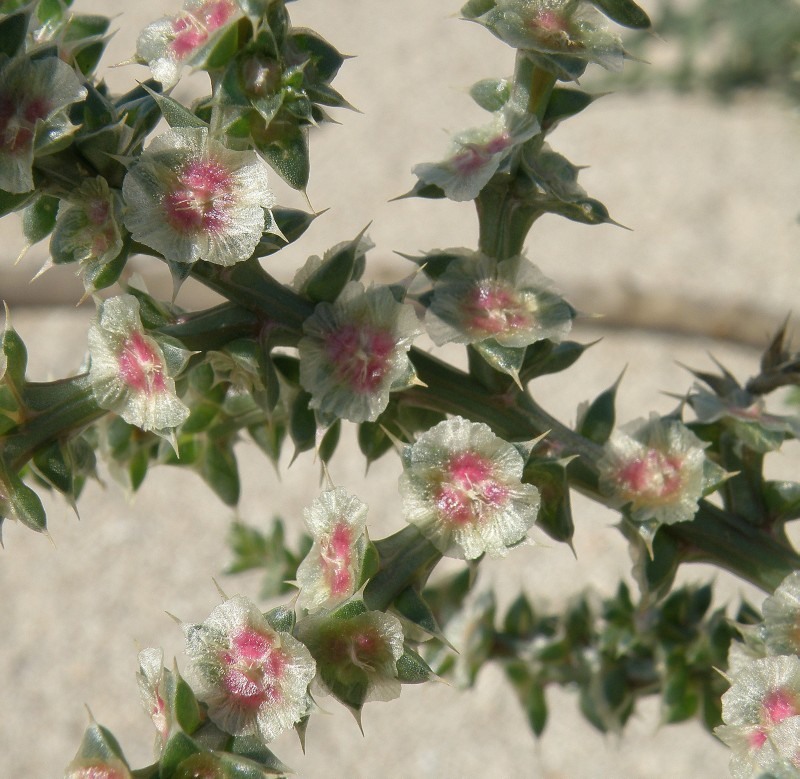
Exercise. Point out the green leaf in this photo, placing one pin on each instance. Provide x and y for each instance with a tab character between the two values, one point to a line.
178	748
22	502
281	618
680	698
39	218
412	669
252	747
53	462
220	471
598	421
545	357
291	222
284	145
185	706
555	511
16	356
98	743
491	94
12	33
10	202
303	423
336	270
411	605
624	12
536	707
175	114
373	441
782	499
520	619
329	442
563	104
324	58
475	8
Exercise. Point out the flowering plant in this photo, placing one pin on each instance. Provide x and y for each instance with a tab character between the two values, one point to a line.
484	471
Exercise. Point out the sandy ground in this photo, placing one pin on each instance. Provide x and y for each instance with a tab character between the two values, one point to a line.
712	196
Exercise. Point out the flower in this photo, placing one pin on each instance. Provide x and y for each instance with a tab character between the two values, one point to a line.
329	573
560	27
760	708
191	199
170	43
34	96
461	486
476	154
356	654
781	628
478	298
253	678
88	225
354	353
131	372
658	468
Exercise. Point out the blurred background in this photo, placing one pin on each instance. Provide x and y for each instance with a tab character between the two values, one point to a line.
697	152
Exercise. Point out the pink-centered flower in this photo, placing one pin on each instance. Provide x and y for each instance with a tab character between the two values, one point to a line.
478	298
658	468
560	27
476	155
34	98
190	199
355	352
356	655
131	372
253	678
329	573
462	487
172	42
764	696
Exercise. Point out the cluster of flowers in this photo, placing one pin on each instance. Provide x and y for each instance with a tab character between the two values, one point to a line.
761	710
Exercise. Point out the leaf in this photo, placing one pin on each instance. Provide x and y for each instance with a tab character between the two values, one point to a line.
184	705
39	218
545	357
291	222
598	421
475	8
520	618
330	441
253	748
175	114
555	511
178	748
335	271
98	743
281	618
284	145
491	94
563	104
302	424
12	33
624	12
220	471
412	669
10	202
411	605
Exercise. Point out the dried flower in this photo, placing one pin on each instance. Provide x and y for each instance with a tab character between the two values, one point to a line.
462	487
190	199
478	298
329	573
354	353
658	468
560	27
34	96
170	43
131	372
356	654
476	155
253	678
764	696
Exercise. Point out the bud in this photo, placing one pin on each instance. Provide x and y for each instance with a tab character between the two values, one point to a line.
131	371
190	199
329	573
354	353
462	487
253	678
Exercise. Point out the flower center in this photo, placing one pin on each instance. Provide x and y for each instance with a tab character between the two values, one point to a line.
493	308
779	705
201	199
192	30
254	669
140	365
360	356
653	478
469	490
17	127
336	556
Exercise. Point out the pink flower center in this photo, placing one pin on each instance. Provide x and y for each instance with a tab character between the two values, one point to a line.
493	308
191	31
550	21
472	157
757	739
201	199
18	121
140	365
469	490
360	356
336	559
254	669
779	705
654	478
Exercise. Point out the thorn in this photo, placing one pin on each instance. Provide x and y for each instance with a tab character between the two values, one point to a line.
22	254
221	592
